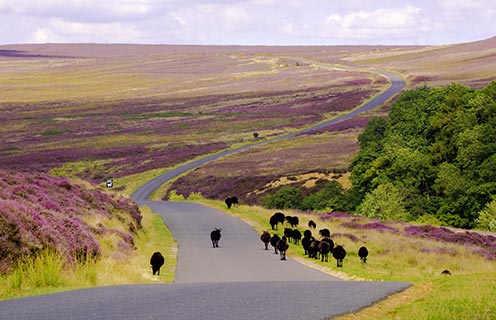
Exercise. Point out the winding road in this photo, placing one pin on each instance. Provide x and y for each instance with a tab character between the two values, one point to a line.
239	280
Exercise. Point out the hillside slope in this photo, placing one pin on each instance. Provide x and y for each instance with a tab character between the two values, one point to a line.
40	212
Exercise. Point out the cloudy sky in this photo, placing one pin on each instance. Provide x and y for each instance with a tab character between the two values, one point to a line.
248	22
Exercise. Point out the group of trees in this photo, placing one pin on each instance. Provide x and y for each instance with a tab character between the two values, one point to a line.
435	156
433	159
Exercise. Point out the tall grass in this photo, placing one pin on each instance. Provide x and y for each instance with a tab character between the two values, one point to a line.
394	256
49	272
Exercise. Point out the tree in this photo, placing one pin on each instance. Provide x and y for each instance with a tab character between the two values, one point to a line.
385	202
487	217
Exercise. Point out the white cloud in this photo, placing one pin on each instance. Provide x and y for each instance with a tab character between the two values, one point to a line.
59	30
44	35
216	16
248	21
368	24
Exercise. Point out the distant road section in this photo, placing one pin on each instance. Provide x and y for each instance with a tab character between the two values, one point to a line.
145	191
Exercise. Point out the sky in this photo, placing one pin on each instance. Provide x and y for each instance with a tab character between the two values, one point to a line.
247	22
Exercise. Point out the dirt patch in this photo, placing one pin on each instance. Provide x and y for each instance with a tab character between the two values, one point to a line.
307	180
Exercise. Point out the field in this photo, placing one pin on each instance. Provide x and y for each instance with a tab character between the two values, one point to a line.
99	111
130	112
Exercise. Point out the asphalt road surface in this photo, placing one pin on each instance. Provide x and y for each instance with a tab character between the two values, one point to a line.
239	280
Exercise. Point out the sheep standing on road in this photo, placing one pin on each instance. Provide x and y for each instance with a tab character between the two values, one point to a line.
339	253
273	242
282	246
265	237
215	237
157	261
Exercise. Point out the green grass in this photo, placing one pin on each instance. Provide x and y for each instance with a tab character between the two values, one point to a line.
49	273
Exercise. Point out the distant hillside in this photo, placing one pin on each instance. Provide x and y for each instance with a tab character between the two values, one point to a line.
40	212
472	63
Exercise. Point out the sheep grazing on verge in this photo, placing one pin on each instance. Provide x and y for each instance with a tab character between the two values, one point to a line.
314	249
325	233
265	237
228	202
296	235
273	242
363	253
324	249
275	219
215	237
330	242
307	233
339	253
234	201
231	201
293	221
157	261
287	233
305	243
312	224
282	246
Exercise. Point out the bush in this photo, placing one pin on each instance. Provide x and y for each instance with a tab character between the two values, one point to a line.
487	217
285	198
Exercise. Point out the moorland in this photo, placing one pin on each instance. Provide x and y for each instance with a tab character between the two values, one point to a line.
90	112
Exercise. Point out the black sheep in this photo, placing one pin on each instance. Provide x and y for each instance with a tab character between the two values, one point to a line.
296	235
305	243
157	261
282	246
314	249
287	233
265	237
275	219
293	221
325	233
228	202
339	253
324	249
363	253
312	224
330	242
234	201
273	242
307	233
215	237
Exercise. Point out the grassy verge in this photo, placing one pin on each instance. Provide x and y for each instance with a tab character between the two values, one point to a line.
467	294
48	272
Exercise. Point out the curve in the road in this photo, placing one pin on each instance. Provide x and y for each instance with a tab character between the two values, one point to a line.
145	191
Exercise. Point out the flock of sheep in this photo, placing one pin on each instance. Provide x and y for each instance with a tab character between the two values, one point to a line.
313	247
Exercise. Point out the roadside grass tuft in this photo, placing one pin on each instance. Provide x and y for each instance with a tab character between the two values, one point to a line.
48	271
